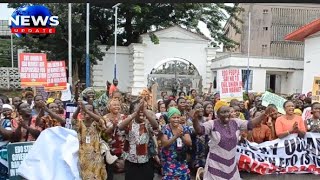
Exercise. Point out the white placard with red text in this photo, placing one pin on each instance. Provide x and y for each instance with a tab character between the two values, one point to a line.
230	84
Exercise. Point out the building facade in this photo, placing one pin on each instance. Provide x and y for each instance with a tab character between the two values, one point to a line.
181	60
310	35
280	60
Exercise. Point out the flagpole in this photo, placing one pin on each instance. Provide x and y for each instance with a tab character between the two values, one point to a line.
87	48
12	65
115	38
248	62
70	43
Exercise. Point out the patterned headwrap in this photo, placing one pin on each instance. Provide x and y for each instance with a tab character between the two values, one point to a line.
172	111
84	92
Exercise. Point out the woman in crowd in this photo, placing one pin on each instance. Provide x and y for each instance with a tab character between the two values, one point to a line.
170	103
175	139
24	125
89	129
138	129
29	98
271	122
52	118
88	96
182	94
313	124
181	105
5	136
289	123
200	146
261	132
224	134
60	111
15	101
36	110
208	111
114	136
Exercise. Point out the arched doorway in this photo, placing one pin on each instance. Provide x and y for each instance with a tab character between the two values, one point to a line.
175	75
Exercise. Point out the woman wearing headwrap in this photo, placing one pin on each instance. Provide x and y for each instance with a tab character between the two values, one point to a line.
175	139
224	134
88	95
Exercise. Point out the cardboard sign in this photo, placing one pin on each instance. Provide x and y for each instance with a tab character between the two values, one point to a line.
316	90
230	84
33	69
56	76
16	154
270	98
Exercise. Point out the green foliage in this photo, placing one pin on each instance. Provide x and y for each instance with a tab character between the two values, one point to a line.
5	53
133	20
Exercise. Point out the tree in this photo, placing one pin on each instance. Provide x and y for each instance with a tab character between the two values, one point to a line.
140	18
5	53
133	20
56	45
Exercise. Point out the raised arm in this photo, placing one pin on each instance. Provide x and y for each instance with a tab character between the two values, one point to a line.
151	118
196	124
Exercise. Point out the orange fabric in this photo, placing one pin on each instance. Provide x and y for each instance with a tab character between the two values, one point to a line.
283	125
261	134
112	89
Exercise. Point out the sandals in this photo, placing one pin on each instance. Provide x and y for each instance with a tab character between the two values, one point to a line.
200	172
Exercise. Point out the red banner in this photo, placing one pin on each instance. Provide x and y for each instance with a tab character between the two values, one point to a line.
33	69
56	76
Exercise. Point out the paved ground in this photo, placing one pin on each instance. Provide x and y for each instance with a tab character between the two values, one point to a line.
248	176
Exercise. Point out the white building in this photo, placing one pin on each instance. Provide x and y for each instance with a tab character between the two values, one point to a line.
283	75
141	61
310	34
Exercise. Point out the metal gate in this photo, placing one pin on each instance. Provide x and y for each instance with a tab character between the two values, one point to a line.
175	75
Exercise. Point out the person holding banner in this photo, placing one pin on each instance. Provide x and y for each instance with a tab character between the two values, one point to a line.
289	123
313	124
224	134
5	136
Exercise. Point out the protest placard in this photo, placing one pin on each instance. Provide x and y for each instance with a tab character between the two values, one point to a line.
270	98
288	155
16	154
230	84
33	69
316	90
56	76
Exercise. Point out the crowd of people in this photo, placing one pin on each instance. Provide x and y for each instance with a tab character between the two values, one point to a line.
181	136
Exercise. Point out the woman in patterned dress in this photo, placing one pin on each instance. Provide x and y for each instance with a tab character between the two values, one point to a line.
113	136
138	129
224	134
313	124
89	128
175	139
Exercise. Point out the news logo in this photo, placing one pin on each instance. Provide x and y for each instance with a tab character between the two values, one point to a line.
36	20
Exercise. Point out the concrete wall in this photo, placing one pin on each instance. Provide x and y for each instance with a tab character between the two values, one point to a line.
104	71
311	61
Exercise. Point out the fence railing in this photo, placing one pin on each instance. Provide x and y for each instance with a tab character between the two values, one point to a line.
9	78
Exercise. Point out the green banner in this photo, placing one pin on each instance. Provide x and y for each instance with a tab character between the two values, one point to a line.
16	154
